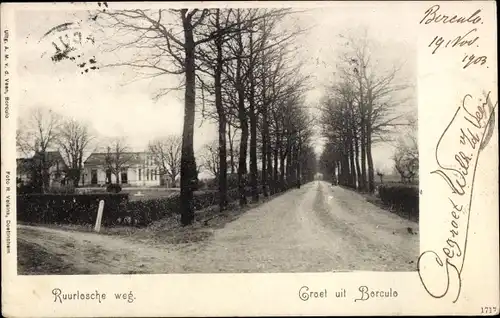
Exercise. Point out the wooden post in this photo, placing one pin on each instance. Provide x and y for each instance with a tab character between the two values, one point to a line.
97	227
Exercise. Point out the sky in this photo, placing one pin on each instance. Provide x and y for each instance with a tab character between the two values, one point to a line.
114	106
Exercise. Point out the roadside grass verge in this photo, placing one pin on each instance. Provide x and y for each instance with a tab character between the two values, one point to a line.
374	199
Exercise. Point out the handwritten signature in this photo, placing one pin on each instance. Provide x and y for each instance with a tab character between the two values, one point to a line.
461	143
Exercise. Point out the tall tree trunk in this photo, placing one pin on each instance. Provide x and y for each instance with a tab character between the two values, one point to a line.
222	162
298	169
188	163
293	166
275	169
282	168
345	167
242	116
242	162
253	155
363	154
269	162
371	173
264	156
253	129
231	149
351	159
358	168
44	171
80	168
288	163
362	111
221	120
265	140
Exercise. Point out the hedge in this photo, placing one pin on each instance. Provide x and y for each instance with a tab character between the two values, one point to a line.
144	212
402	197
82	208
71	208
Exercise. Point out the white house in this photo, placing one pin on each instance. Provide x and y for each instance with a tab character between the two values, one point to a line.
138	169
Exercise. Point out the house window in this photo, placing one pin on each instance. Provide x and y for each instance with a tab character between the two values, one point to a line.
155	175
147	174
124	176
151	174
108	176
93	176
140	172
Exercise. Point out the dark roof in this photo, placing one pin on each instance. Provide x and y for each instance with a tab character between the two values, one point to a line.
99	158
51	158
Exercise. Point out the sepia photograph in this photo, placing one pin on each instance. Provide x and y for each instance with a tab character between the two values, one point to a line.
187	159
215	140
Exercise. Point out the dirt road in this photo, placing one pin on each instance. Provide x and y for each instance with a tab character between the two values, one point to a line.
316	228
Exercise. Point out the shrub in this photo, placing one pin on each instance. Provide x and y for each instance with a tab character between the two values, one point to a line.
70	208
64	189
114	188
402	197
28	188
202	184
144	212
211	184
232	182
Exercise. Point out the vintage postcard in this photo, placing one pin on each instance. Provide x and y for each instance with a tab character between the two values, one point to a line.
249	158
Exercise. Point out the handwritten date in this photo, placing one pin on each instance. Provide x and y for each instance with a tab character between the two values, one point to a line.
467	39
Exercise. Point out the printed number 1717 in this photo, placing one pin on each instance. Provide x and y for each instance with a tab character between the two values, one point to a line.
488	310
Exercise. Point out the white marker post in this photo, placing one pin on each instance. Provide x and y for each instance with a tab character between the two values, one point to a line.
97	227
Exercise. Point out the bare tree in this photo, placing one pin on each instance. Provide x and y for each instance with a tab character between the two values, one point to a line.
406	160
117	158
167	155
210	158
36	135
38	132
371	96
166	42
222	52
74	139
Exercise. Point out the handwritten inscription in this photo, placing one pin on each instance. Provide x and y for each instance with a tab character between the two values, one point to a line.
468	39
432	15
456	155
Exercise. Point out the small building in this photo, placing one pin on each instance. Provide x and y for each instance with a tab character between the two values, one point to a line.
136	169
27	168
